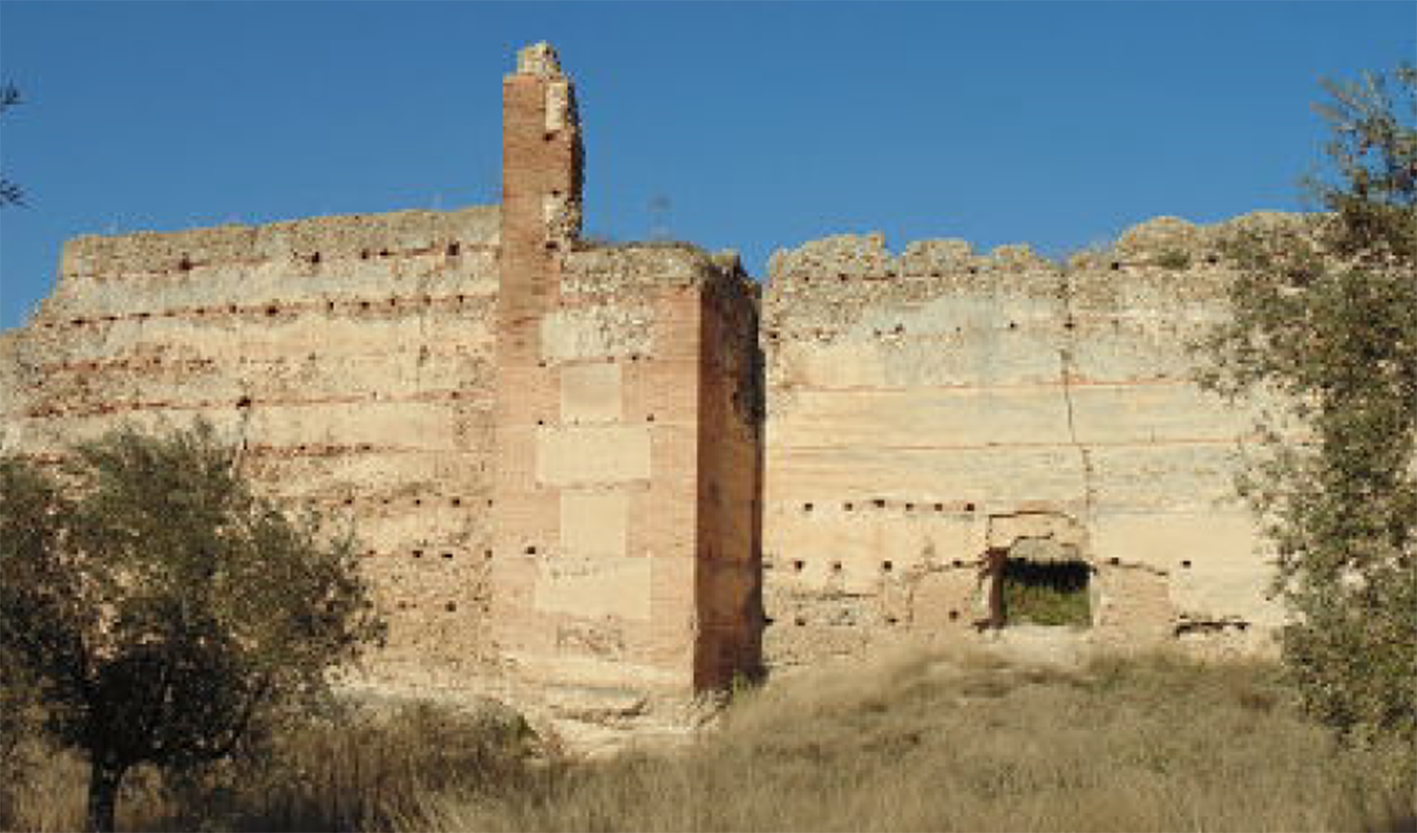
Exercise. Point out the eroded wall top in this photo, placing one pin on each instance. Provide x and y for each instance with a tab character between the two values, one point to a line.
920	402
347	236
110	274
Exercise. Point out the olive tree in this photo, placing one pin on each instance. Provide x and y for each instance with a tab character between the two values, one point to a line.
1325	322
165	613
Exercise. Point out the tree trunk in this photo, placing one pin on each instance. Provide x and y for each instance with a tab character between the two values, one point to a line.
104	779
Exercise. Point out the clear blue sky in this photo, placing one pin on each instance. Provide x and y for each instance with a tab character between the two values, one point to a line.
764	125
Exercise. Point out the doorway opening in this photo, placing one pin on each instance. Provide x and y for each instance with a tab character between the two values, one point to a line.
1039	581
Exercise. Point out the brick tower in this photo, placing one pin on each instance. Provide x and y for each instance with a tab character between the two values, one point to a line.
625	548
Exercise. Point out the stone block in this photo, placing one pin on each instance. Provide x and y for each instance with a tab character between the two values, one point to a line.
595	524
592	455
591	393
594	587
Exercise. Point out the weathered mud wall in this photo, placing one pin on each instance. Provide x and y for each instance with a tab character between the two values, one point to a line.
929	409
349	356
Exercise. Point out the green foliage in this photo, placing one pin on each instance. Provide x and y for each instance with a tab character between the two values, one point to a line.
1325	323
1046	594
165	614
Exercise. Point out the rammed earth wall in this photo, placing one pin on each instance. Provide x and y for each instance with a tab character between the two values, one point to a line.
583	474
350	357
930	408
550	449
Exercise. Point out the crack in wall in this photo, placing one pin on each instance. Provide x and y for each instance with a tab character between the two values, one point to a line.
1067	367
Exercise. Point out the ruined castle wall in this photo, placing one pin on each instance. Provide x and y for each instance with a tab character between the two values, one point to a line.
1162	453
929	408
550	450
348	356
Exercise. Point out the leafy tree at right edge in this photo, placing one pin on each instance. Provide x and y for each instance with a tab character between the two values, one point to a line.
1325	321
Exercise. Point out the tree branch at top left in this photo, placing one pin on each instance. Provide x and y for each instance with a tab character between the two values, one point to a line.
10	192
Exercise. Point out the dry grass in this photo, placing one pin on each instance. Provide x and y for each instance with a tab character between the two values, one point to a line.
359	771
969	743
914	742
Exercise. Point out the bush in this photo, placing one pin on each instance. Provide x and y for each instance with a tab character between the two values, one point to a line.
1325	328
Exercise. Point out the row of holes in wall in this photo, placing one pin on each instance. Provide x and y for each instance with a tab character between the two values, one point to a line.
801	621
633	357
418	553
152	362
272	310
887	566
186	264
881	503
448	606
774	337
842	277
1070	323
246	402
350	500
798	565
899	330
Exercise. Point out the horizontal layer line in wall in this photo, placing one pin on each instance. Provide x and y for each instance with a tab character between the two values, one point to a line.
432	552
780	333
1052	383
183	266
332	450
402	499
269	310
313	450
1180	441
141	363
242	403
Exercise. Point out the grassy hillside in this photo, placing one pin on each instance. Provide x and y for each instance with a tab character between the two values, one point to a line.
924	742
914	742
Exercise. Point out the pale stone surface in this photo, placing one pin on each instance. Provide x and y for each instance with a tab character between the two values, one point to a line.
591	393
595	523
595	587
587	455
